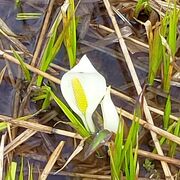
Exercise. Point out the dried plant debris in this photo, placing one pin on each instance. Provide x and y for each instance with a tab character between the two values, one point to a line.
89	89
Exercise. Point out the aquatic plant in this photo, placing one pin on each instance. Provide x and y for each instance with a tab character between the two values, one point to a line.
83	89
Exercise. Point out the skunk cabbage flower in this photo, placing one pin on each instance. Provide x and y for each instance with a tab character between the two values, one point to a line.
83	89
110	115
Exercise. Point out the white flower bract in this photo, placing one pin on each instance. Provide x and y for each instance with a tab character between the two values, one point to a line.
94	86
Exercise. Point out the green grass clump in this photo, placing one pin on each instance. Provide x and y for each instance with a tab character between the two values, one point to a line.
54	43
142	4
123	156
155	53
170	23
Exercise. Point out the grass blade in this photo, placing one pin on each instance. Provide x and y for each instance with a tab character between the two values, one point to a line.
167	112
11	174
173	144
23	66
74	121
21	173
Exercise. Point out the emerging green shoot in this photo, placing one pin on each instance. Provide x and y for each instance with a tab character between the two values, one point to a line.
141	4
11	174
42	94
21	173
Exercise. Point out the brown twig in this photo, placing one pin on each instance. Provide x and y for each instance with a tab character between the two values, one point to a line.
52	161
159	157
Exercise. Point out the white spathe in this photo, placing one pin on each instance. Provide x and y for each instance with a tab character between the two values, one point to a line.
110	115
94	86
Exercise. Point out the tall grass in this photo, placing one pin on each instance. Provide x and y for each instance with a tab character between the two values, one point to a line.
68	35
170	22
162	48
49	51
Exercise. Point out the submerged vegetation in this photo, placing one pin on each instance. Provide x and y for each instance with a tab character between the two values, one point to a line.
69	104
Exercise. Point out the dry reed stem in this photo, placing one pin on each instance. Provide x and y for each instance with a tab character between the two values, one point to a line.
43	128
31	68
52	161
149	126
158	157
138	87
43	32
129	99
112	31
2	155
75	153
19	140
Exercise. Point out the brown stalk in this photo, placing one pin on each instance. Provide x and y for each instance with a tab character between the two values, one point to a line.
158	157
43	128
54	156
19	140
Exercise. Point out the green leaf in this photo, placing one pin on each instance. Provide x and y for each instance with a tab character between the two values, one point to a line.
70	35
21	173
23	66
114	172
3	125
173	144
11	174
75	122
100	139
140	5
167	112
155	57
